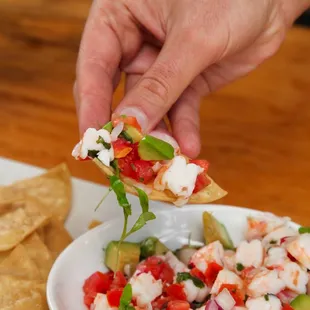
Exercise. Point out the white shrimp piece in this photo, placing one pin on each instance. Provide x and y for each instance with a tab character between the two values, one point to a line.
203	293
308	285
294	277
260	303
101	303
250	253
175	263
276	258
299	248
145	288
261	225
265	282
276	235
229	260
213	252
191	291
226	277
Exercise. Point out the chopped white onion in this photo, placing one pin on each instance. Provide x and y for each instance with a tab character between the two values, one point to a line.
156	167
212	305
76	150
116	131
225	300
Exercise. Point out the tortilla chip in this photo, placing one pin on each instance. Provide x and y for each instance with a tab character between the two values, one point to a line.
52	189
56	237
93	224
19	264
10	205
14	289
15	226
4	255
41	234
211	193
39	253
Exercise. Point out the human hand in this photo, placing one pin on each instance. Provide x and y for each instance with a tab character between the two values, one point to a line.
173	52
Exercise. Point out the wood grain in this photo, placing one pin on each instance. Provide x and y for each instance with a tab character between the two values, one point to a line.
255	132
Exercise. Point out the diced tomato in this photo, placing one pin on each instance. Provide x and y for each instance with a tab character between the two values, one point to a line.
202	181
89	298
144	171
160	303
237	294
287	307
129	120
200	162
178	305
114	297
248	273
176	292
211	273
195	272
98	282
158	268
121	148
119	281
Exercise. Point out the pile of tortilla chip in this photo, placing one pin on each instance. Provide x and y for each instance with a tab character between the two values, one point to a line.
32	235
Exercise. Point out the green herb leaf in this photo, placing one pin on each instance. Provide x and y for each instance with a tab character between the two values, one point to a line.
105	144
126	136
183	276
126	297
266	297
92	153
239	267
144	199
108	126
103	198
119	189
141	221
273	242
304	230
114	165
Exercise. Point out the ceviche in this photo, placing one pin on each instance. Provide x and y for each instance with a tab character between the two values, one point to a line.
268	270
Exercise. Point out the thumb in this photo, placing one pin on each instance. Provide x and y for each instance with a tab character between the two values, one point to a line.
158	89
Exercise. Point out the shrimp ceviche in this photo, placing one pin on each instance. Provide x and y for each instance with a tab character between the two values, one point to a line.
268	270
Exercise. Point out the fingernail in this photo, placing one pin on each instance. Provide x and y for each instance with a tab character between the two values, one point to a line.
138	114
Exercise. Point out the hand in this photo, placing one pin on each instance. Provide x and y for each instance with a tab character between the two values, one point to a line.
173	52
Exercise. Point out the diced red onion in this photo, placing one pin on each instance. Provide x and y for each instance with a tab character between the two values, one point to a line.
212	305
116	131
225	300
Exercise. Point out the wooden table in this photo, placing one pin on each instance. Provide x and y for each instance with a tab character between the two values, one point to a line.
255	133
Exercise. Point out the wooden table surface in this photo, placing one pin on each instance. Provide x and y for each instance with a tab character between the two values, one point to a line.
255	133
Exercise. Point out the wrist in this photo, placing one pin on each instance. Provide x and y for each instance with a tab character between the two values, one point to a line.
293	9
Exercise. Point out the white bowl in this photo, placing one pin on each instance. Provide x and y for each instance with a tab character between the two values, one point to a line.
174	227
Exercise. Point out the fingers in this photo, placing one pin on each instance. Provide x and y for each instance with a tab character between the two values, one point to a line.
184	118
157	90
104	44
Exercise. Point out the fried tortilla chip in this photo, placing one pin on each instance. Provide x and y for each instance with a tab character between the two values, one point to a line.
39	253
16	225
211	193
14	289
10	205
20	265
56	237
52	189
93	224
4	255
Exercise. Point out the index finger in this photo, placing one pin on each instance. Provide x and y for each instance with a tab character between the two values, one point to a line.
98	61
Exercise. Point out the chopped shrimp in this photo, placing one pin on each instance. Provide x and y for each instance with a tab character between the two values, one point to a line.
265	282
299	248
229	260
262	303
274	237
276	258
101	303
226	277
250	253
213	252
175	263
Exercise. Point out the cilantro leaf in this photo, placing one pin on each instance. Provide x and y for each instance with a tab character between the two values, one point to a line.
183	276
141	221
126	136
239	267
105	144
304	230
114	164
126	297
144	200
119	190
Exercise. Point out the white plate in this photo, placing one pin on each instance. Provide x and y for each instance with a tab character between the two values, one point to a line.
173	226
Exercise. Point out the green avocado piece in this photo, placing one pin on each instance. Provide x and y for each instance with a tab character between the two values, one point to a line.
134	133
108	126
301	302
213	230
152	246
129	254
151	148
